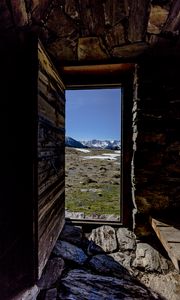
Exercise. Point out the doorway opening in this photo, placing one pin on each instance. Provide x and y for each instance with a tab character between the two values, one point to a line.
93	154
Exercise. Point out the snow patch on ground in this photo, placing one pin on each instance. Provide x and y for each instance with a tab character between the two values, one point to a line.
83	150
109	156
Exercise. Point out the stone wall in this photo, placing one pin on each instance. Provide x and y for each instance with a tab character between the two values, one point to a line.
86	30
156	160
106	263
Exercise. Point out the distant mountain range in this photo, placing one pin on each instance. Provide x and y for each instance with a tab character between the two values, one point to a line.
97	144
70	142
102	144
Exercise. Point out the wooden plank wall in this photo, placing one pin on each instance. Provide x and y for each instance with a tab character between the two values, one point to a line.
51	138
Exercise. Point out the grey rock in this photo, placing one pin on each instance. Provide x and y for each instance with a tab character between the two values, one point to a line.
28	294
70	252
74	215
126	239
107	217
166	285
124	260
105	264
149	259
72	234
79	284
110	217
104	237
51	273
51	294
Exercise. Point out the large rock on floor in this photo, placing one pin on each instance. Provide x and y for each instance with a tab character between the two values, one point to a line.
79	284
51	273
105	237
126	239
70	252
149	259
106	264
72	234
166	285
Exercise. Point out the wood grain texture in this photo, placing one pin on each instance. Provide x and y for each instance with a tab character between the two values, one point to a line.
51	107
138	20
114	12
92	23
173	20
170	239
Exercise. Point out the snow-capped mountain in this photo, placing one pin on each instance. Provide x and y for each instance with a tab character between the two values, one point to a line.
97	144
70	142
102	144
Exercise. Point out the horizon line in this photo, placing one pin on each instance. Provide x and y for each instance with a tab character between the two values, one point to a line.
90	139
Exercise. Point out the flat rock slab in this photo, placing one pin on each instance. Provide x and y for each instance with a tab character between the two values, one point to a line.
51	273
70	252
71	234
106	264
126	239
28	294
105	237
149	259
79	284
51	294
93	249
166	285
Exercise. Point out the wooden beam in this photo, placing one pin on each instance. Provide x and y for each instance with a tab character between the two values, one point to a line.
170	239
98	69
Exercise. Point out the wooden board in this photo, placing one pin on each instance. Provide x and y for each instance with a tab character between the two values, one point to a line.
51	139
170	239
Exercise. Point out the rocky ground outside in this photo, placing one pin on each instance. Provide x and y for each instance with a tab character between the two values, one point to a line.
92	184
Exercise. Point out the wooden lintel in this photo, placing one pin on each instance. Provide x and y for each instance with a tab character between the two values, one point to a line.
170	239
98	69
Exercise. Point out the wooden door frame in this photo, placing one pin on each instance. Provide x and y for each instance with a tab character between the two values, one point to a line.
104	76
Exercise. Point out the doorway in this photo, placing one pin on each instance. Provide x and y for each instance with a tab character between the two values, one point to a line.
93	154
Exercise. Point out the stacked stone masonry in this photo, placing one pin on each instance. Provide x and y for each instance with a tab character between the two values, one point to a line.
93	30
89	267
157	159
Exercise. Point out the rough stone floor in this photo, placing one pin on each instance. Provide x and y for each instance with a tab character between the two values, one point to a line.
105	264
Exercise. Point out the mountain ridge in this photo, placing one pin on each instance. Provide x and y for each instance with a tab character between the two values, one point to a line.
70	142
95	143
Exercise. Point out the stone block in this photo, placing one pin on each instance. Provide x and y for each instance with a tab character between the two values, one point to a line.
105	237
91	48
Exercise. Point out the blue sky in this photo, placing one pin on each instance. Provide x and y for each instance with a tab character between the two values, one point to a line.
93	114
